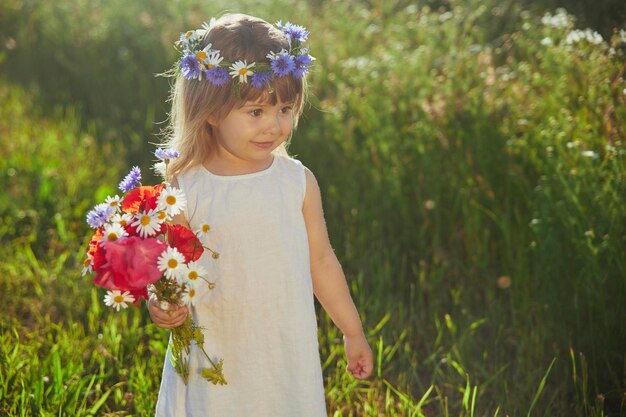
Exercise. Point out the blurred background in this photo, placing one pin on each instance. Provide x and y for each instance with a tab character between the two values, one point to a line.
471	156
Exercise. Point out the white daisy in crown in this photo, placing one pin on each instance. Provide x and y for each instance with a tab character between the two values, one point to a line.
172	200
146	223
213	60
242	70
117	299
172	263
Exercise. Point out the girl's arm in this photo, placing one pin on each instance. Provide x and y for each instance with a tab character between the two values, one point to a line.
329	283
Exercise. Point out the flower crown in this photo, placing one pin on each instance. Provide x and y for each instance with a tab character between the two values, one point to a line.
198	63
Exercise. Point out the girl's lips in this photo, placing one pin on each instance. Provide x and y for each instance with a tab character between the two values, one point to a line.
264	145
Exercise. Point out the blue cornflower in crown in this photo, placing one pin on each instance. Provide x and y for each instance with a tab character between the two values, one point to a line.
205	63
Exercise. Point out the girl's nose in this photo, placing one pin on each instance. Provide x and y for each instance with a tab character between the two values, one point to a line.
273	126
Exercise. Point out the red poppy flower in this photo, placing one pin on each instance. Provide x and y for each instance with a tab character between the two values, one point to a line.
131	264
185	241
142	199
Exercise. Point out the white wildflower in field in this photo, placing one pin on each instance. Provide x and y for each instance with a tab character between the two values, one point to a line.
547	41
559	20
359	62
445	16
588	35
590	154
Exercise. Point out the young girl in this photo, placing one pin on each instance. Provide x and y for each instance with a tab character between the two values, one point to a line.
236	101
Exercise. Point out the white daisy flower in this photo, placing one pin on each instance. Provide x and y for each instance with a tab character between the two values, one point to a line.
207	26
87	267
191	35
193	273
190	296
113	232
241	69
114	202
203	230
171	263
146	223
123	219
162	216
273	55
117	299
172	200
213	60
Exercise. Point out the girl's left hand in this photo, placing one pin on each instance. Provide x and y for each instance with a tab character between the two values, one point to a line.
359	355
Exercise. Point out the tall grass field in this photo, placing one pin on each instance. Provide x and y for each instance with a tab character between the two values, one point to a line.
472	161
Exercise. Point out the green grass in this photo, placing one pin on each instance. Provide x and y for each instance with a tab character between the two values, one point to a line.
474	188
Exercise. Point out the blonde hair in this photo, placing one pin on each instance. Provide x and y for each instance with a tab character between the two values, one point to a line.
194	102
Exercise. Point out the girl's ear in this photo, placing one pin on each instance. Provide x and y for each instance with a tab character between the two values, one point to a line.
212	120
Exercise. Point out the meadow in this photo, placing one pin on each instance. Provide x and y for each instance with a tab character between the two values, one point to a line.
472	161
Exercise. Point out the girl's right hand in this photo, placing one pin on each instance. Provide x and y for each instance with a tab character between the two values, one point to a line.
359	356
168	318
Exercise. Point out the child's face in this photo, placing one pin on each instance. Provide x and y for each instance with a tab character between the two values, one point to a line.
250	133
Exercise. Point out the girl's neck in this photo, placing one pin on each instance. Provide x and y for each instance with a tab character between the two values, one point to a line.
224	164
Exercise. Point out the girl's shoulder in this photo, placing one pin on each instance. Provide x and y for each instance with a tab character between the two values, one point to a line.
189	176
293	172
289	162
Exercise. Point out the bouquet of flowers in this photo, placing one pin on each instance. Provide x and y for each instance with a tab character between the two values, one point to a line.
136	248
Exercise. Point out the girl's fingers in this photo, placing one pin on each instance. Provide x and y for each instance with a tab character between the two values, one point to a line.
360	369
174	316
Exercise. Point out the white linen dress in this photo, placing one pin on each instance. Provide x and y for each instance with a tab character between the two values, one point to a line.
260	317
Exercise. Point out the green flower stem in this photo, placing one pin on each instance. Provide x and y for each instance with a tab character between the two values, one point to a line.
183	335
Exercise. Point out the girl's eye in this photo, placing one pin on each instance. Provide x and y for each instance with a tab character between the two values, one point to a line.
256	112
286	109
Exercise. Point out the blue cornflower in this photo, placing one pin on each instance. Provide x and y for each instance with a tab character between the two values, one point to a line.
131	180
166	154
99	215
283	64
260	79
295	32
190	67
302	63
217	76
